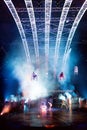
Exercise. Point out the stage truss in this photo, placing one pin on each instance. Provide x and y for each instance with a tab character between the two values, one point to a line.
47	27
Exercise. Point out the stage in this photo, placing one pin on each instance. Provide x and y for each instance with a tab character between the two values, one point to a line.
43	64
70	119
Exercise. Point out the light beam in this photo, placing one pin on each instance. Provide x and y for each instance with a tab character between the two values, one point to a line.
65	59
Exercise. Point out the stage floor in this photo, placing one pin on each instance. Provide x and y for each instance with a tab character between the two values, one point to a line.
73	119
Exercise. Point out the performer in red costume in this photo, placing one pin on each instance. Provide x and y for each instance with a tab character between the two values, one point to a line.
61	76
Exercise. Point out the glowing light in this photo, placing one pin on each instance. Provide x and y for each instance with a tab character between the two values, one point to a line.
37	90
66	56
6	109
68	95
31	89
64	13
50	105
49	126
76	70
43	108
65	59
74	26
62	97
19	26
7	99
13	98
48	4
30	11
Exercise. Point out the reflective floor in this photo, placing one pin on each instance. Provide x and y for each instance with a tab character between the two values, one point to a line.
70	119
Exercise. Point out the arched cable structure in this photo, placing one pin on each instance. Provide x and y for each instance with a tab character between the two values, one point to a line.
19	26
74	27
64	13
48	5
30	11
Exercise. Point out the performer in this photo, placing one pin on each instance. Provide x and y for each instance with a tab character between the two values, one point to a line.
50	105
61	76
34	76
64	105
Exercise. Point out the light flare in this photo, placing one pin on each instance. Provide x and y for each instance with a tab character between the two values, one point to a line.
6	109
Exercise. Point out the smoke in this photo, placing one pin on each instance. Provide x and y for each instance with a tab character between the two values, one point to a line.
17	69
22	71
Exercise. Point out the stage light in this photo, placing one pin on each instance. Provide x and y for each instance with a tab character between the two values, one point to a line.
68	95
6	109
76	70
62	97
